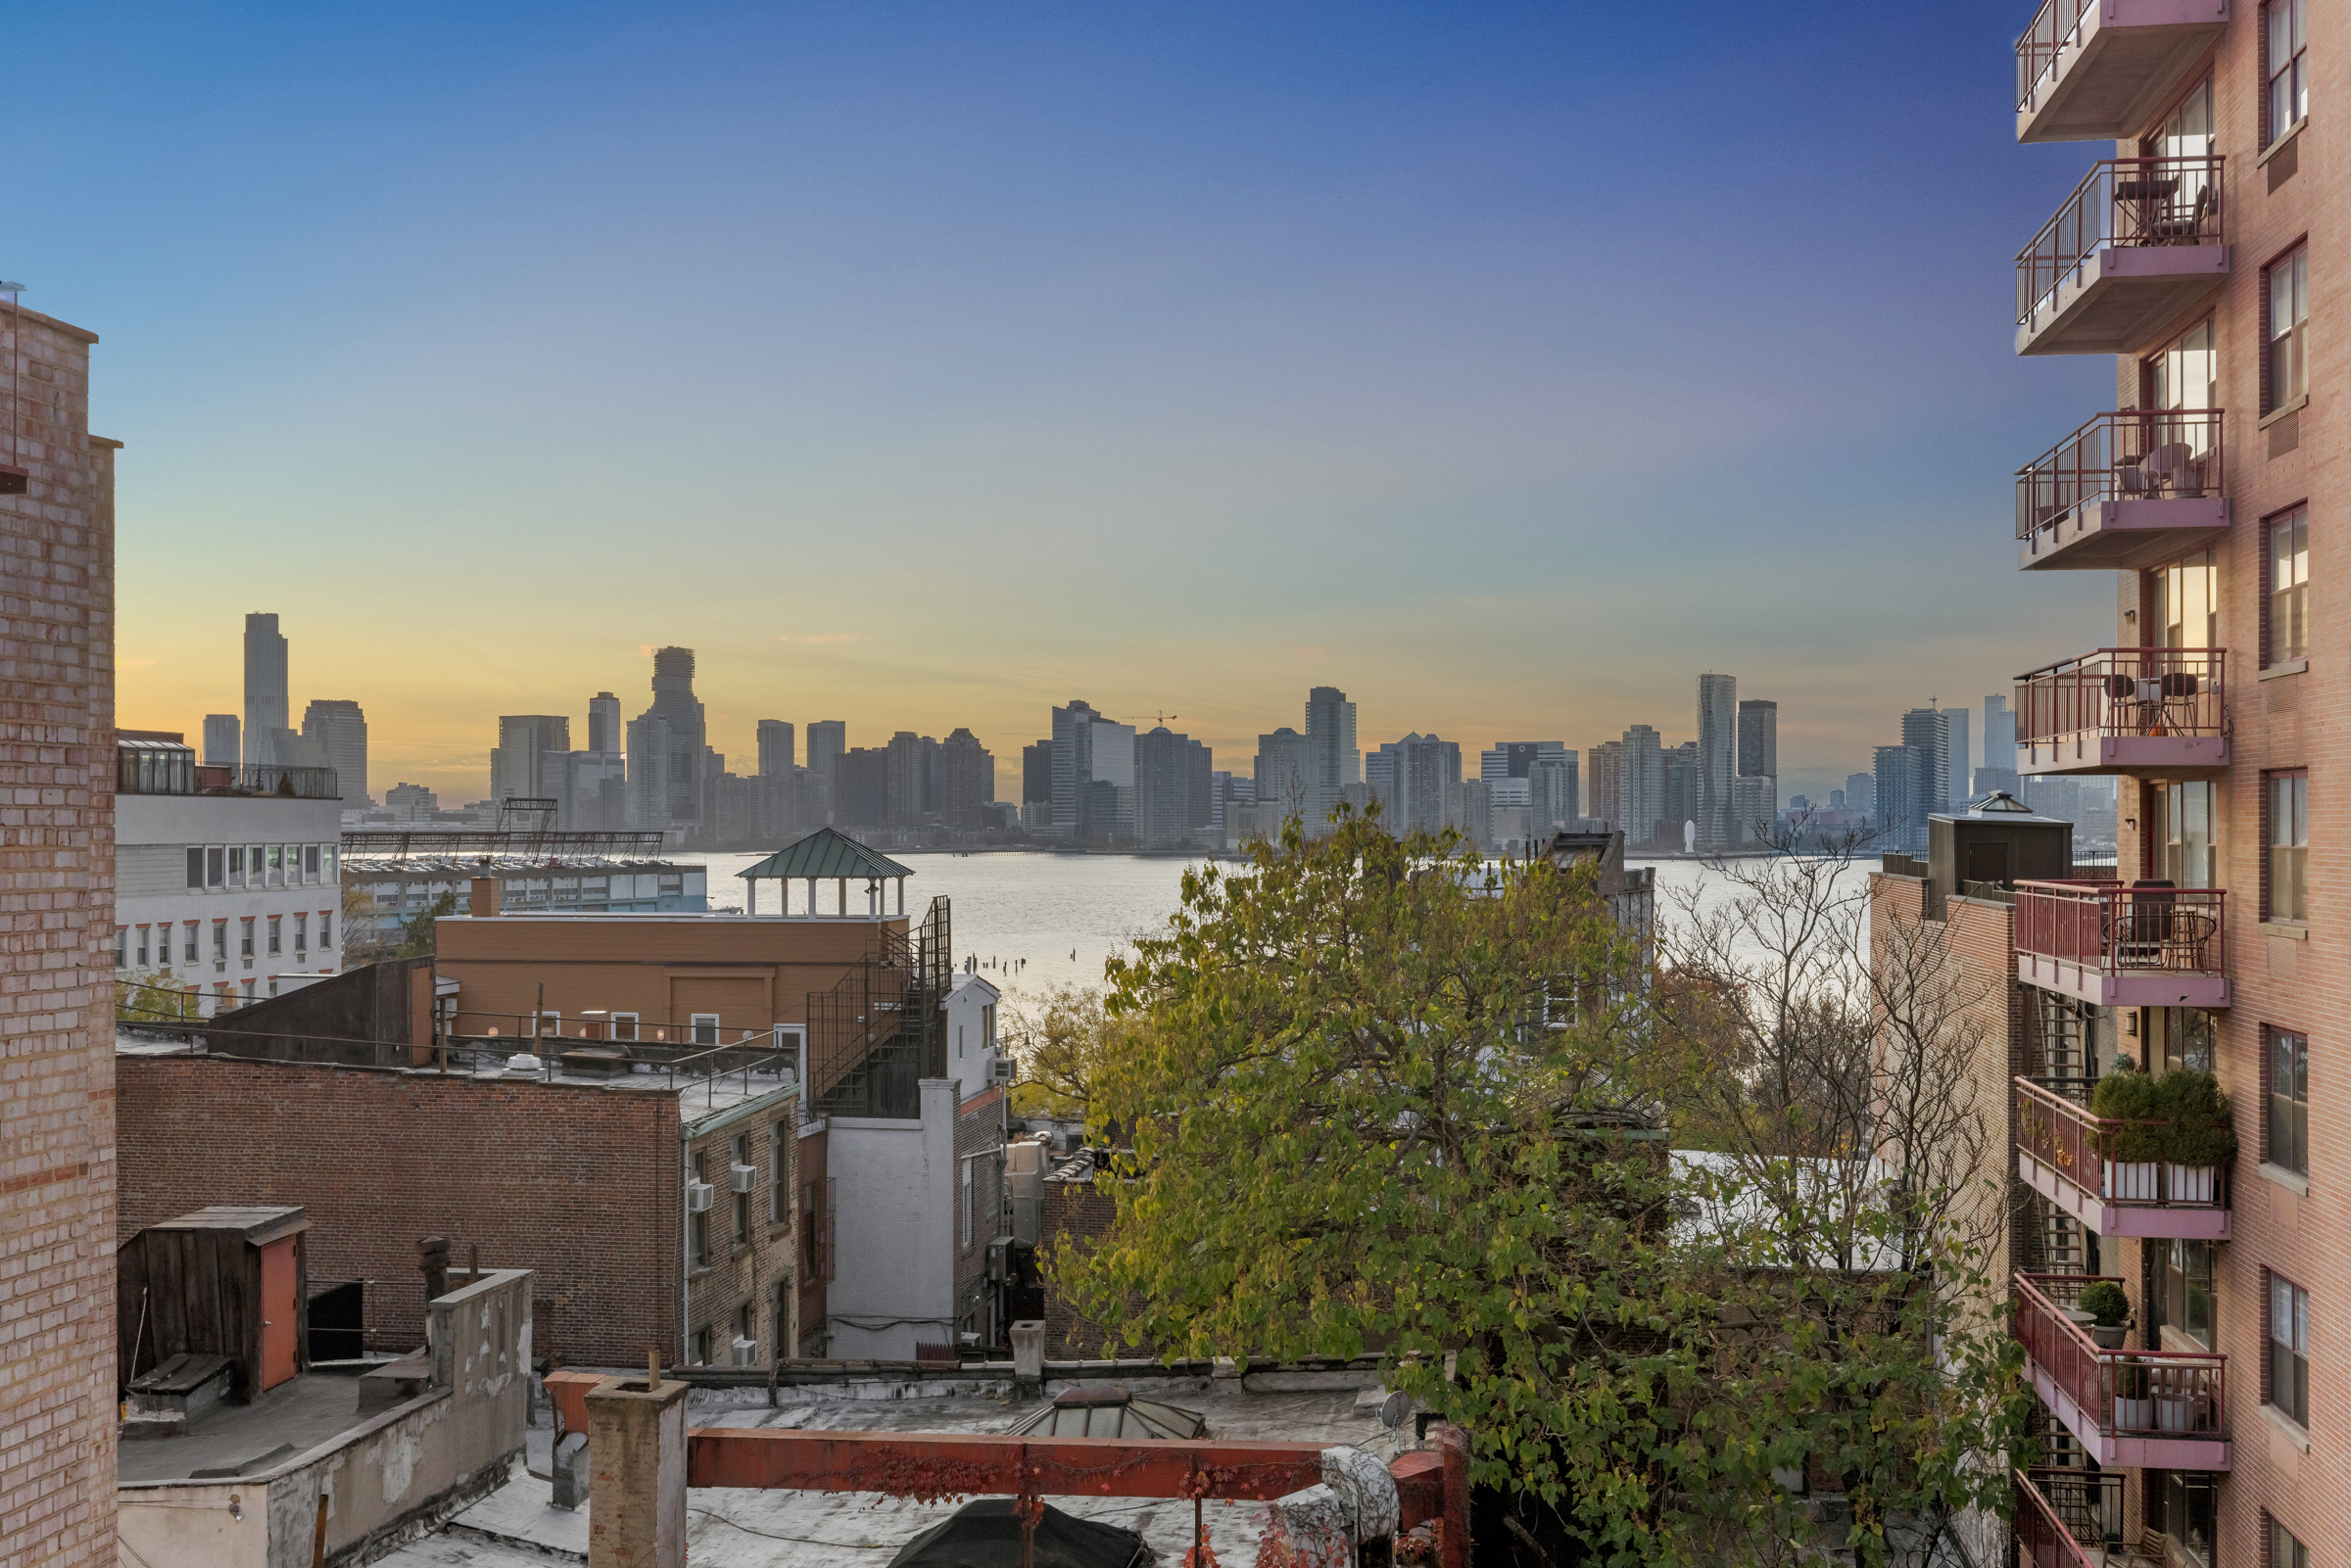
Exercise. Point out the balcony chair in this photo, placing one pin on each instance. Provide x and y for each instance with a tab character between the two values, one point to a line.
2177	228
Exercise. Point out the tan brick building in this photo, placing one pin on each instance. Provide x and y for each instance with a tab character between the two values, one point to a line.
57	1132
2198	251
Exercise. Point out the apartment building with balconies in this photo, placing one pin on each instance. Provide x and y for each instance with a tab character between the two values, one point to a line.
2198	249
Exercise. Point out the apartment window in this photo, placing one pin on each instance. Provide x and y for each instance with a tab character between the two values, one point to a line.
2285	1551
2287	1134
121	946
277	865
2286	328
326	928
215	866
967	1205
702	1345
2285	56
302	935
236	865
247	988
706	1029
195	865
274	922
245	940
190	953
746	1327
2286	891
309	862
142	947
2285	630
2191	1512
987	1026
958	1042
697	1225
742	1199
779	1308
326	861
219	941
2191	602
624	1026
2184	1289
2189	858
779	1161
2288	1371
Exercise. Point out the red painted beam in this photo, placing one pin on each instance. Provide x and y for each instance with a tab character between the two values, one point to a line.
942	1464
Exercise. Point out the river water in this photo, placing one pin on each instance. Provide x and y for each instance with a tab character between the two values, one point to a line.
1035	920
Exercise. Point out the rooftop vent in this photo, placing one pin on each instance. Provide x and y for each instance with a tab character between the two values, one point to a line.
1109	1411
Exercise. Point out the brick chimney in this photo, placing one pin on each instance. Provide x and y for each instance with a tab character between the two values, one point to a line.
484	899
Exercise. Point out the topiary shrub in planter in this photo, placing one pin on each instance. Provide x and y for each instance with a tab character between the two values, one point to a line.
2103	1299
2132	1099
2198	1127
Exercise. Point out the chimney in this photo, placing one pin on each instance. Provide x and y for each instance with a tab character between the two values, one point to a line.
484	896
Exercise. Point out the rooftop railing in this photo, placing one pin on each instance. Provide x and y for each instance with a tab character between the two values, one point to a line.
2078	1148
2122	203
2126	455
2144	1393
2124	692
166	771
2107	929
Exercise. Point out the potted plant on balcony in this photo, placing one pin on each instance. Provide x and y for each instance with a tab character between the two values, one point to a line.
2134	1410
2135	1149
2199	1134
2109	1312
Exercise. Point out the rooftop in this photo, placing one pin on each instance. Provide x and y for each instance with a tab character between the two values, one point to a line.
251	1439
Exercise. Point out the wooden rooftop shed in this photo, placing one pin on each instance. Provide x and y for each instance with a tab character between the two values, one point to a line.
223	1281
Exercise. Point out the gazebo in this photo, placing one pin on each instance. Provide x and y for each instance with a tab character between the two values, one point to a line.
826	855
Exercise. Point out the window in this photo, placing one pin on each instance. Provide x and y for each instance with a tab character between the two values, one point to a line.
2184	1294
2289	1350
624	1026
220	942
2286	328
987	1028
277	865
274	922
2191	1512
967	1205
195	865
742	1199
2285	1551
779	1163
236	865
706	1029
2181	1037
244	947
702	1345
2188	860
309	862
2287	58
2285	893
2191	602
779	1308
215	866
2285	628
190	953
302	935
142	947
121	946
326	928
327	861
697	1225
746	1327
958	1042
2287	1134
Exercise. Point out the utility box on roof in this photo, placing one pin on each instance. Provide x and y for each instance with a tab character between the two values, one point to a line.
222	1281
1993	845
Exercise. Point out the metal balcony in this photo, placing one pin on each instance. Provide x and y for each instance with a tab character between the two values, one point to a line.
2137	242
2150	713
2134	488
2061	1154
2123	946
2158	1410
2068	1518
2098	70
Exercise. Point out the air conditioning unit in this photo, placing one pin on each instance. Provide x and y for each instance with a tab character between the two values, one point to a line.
741	1178
746	1352
1002	1070
698	1197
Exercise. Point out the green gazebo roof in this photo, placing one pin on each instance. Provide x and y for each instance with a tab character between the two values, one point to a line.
826	853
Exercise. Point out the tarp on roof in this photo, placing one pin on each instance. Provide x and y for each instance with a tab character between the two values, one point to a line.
988	1535
826	852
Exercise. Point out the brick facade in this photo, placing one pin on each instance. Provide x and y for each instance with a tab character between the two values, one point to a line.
582	1185
753	1236
57	1128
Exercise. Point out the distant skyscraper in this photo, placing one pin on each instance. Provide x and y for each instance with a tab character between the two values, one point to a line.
827	742
1418	775
1333	760
1603	784
221	740
1285	772
1172	789
340	728
1093	774
266	696
778	755
1759	749
1963	771
1553	798
967	782
1903	789
1681	790
913	779
674	703
1717	758
1036	773
1929	729
650	752
1517	759
1643	792
1997	770
604	732
1862	793
1755	803
521	766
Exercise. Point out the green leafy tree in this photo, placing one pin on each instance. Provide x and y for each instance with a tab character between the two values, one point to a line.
417	932
1389	1098
153	998
1063	1037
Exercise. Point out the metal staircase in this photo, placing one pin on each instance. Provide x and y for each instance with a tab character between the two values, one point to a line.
877	1034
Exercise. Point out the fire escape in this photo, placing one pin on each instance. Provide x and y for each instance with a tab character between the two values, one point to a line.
878	1033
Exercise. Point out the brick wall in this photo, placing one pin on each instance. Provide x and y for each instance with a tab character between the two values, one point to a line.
580	1184
979	1130
1073	1212
746	1263
57	1132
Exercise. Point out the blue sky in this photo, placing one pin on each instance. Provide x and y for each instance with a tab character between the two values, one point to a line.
924	365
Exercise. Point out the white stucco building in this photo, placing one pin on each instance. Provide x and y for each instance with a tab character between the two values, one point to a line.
225	878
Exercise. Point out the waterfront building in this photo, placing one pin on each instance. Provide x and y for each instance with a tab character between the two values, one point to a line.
1927	731
525	763
1553	797
1754	804
267	700
778	752
1997	770
411	802
686	737
1173	788
1760	741
222	732
1681	791
912	780
1962	762
605	730
1861	793
647	772
1417	775
1605	791
1093	775
1718	757
339	729
1642	795
1333	762
967	775
1900	794
1284	774
862	796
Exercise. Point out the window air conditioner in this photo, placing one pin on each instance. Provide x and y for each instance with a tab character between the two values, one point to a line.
1002	1070
698	1195
746	1352
741	1178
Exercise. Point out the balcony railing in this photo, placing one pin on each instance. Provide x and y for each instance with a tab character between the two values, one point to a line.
2147	712
2065	1154
2120	203
2094	69
167	770
2124	946
2126	455
2150	1408
2067	1518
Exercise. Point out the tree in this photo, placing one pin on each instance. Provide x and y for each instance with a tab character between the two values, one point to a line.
1387	1097
153	998
1063	1037
417	932
363	938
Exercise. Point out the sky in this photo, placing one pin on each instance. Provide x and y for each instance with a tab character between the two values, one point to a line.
925	366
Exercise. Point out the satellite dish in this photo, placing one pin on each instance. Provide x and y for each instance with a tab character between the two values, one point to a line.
1395	1411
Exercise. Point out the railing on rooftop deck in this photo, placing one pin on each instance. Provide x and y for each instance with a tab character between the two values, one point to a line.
2062	1516
2113	929
2054	1129
2120	203
2123	1393
2124	692
174	771
2127	454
